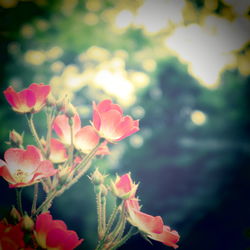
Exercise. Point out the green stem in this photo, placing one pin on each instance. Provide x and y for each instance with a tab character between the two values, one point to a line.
89	156
109	225
120	226
19	199
49	198
34	133
99	213
130	233
103	213
33	209
50	119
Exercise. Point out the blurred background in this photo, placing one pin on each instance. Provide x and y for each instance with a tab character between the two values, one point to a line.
182	68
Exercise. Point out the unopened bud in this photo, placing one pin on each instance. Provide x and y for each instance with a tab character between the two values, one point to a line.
70	110
27	223
51	101
15	138
97	178
61	104
15	214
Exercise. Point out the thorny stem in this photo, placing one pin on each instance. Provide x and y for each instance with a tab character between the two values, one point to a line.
34	133
103	202
109	225
130	233
19	199
50	119
120	226
33	209
55	192
89	156
49	198
99	213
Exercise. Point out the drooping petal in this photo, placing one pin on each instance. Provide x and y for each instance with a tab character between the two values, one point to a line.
167	237
148	223
86	139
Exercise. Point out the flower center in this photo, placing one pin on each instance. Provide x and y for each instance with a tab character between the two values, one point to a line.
20	176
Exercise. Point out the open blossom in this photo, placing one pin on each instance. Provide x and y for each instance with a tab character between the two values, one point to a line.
25	167
11	236
123	187
28	100
110	123
54	235
84	139
151	225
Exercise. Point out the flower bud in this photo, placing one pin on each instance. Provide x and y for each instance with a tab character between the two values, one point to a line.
27	223
97	178
51	101
15	138
15	214
123	187
70	110
61	104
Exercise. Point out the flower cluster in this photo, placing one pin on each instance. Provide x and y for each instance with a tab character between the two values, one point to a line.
56	163
21	232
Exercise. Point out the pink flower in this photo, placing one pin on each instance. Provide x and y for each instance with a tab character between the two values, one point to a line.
58	152
151	225
11	236
25	167
54	235
28	100
110	123
123	187
84	139
167	237
62	127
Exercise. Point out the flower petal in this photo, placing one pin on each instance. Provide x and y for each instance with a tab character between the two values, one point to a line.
27	99
58	152
167	237
12	97
86	139
109	121
41	92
